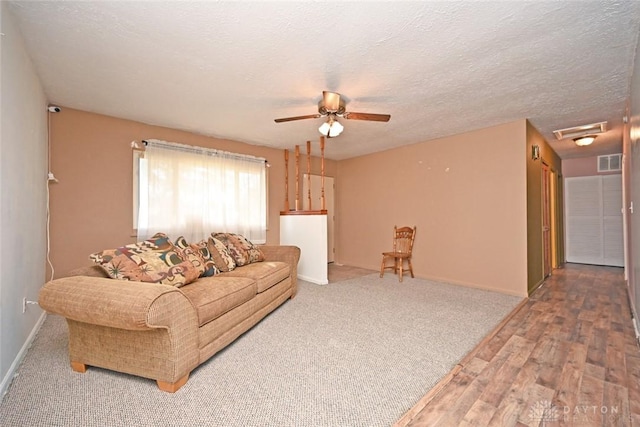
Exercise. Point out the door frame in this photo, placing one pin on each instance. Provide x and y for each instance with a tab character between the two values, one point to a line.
547	221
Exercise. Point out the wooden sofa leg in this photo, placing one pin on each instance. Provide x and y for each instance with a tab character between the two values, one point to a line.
79	367
172	387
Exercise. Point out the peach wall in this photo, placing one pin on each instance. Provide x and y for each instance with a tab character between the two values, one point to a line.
583	166
91	205
466	194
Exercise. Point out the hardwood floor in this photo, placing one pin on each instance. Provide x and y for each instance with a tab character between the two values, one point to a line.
567	357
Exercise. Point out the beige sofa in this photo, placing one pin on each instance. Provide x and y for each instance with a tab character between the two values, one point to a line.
161	332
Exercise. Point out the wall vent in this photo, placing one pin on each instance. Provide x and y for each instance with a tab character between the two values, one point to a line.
610	163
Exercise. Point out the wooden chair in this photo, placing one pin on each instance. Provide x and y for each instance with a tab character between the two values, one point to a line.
402	246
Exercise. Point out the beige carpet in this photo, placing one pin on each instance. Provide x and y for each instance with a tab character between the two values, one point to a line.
359	352
340	273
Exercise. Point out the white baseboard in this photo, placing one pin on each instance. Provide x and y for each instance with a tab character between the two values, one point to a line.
634	314
13	369
313	280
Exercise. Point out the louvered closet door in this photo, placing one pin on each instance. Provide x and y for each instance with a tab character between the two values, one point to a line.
593	207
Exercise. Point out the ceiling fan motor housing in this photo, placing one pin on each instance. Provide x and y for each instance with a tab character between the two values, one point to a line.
331	102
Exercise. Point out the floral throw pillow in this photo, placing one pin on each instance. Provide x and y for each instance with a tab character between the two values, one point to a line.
220	255
199	255
154	260
241	249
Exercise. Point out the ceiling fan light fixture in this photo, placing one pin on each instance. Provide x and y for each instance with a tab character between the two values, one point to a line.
336	129
324	128
584	140
331	128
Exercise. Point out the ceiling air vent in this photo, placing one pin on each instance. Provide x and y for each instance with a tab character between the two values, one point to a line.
574	132
610	163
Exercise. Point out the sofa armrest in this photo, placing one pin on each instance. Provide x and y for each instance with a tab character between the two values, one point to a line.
284	253
114	303
89	270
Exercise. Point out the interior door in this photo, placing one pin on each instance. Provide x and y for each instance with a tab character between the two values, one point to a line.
594	233
316	196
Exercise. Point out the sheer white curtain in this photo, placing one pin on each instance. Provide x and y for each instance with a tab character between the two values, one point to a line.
191	191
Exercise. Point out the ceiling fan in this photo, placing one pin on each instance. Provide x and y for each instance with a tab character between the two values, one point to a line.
333	106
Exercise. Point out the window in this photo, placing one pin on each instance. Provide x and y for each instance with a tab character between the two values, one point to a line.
192	191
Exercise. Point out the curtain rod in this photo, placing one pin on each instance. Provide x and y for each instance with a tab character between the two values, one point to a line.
201	150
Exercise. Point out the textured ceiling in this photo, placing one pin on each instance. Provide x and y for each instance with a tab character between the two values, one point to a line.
227	69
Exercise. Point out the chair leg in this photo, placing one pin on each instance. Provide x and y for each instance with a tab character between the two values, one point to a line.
382	268
410	267
400	265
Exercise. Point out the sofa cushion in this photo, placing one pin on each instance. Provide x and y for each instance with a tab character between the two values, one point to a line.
220	255
241	249
154	260
214	296
266	273
199	255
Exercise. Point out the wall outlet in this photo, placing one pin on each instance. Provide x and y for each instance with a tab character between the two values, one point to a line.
51	177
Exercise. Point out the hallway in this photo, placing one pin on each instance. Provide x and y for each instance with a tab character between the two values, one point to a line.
567	357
